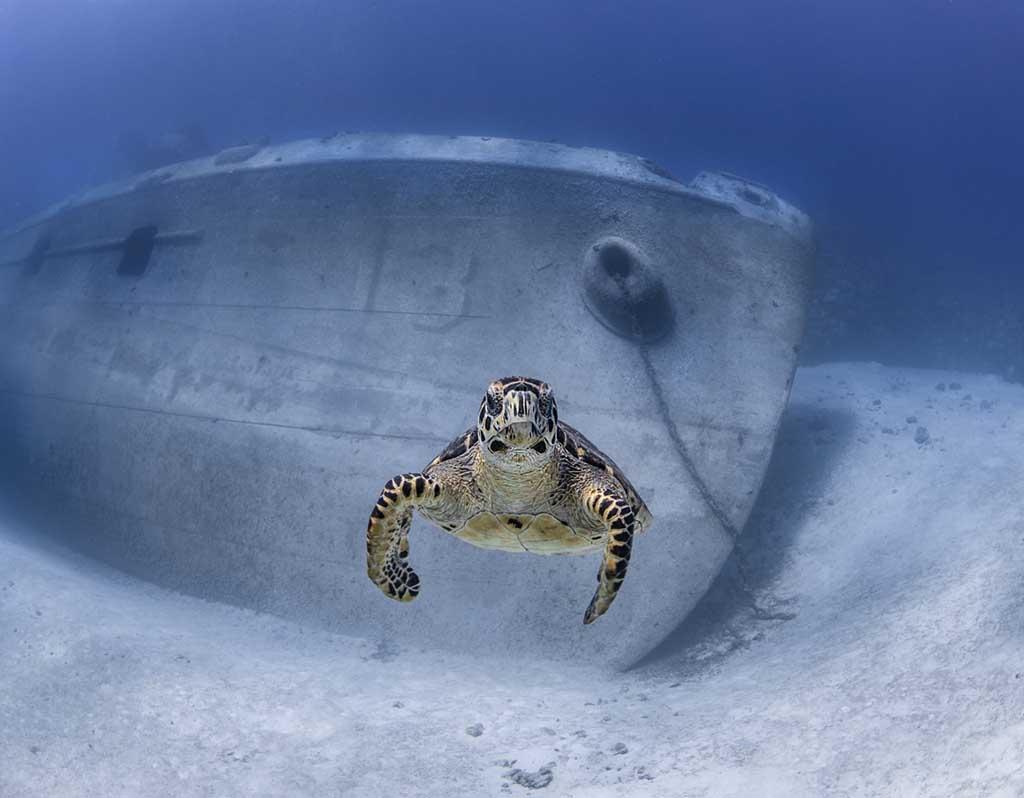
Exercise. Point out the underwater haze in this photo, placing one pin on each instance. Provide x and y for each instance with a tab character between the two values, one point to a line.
776	406
896	125
900	119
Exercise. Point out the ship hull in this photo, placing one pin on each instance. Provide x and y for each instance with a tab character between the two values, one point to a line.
219	413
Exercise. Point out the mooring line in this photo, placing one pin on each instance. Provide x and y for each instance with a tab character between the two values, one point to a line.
680	447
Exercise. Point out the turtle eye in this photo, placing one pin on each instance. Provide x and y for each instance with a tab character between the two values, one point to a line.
540	447
497	446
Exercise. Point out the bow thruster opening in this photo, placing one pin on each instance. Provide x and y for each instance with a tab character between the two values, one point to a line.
625	292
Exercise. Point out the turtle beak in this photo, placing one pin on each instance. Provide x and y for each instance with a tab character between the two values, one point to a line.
520	427
519	433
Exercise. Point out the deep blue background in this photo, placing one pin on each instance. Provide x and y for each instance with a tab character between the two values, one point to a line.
899	122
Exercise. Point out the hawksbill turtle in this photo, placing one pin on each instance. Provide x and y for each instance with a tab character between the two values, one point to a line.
519	480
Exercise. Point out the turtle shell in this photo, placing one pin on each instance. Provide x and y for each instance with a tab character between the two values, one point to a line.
575	445
458	447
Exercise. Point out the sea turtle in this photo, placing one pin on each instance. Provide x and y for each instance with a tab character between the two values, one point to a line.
518	480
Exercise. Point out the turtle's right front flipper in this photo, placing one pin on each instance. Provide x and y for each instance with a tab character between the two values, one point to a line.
387	534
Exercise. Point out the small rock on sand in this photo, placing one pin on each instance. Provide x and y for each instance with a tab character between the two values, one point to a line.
921	436
475	730
532	779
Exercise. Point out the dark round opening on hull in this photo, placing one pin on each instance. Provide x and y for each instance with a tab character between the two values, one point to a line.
138	248
753	197
625	292
34	261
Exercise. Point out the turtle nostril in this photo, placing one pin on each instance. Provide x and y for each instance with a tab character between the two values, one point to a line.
497	446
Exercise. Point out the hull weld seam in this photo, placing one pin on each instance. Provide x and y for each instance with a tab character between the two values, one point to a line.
216	419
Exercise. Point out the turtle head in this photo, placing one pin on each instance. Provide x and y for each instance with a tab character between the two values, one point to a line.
518	424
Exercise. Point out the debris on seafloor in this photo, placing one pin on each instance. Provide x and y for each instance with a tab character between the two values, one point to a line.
532	779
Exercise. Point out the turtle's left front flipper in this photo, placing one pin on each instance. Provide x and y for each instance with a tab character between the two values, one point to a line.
612	509
387	534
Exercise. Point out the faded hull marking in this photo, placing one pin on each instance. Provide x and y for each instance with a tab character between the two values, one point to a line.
539	534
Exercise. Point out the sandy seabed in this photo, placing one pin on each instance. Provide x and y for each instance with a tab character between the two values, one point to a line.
866	638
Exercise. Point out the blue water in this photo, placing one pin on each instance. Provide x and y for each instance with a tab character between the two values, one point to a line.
897	124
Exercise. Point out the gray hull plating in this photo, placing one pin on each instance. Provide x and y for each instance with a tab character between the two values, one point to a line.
222	397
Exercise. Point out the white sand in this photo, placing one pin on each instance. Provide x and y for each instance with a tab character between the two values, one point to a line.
867	639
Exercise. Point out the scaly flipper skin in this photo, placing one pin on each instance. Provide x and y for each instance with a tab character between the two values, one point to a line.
387	534
612	509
